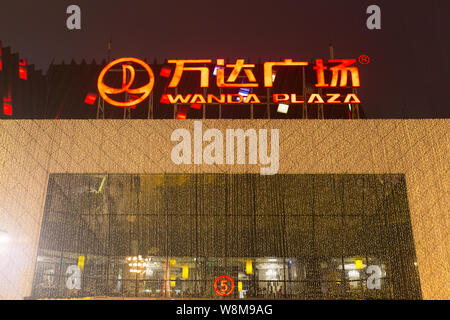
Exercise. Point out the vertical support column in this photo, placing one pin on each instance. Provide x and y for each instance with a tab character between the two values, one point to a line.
100	108
150	107
305	105
251	107
220	105
204	105
175	106
355	107
320	107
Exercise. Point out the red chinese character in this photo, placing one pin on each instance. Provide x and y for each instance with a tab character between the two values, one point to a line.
180	67
268	69
237	68
342	68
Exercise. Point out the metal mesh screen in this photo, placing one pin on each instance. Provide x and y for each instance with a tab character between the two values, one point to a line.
285	236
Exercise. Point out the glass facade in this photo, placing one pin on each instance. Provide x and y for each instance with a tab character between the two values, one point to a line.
285	236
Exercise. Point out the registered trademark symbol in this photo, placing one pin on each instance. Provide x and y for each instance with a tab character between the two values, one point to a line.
364	59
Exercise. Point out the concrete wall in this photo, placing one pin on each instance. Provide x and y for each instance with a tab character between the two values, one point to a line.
31	149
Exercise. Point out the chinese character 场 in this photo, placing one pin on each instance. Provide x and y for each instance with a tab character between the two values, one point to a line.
343	68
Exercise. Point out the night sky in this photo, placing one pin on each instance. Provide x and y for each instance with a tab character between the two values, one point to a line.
407	77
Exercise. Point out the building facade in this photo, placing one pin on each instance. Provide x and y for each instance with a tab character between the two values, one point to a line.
357	210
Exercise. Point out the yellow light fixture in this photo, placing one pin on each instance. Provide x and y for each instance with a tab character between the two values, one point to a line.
239	286
81	262
248	267
185	273
359	264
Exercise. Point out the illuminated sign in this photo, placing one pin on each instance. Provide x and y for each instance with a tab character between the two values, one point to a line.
339	68
137	94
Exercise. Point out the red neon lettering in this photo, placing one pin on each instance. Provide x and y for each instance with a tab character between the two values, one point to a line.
198	98
294	99
333	97
279	97
252	98
268	69
180	67
353	97
315	98
237	68
220	99
343	69
179	98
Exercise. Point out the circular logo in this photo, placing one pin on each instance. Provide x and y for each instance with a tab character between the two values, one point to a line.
128	72
364	59
223	285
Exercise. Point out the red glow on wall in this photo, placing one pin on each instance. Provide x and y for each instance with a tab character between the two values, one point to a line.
1	64
23	73
164	99
7	109
90	98
196	106
165	72
182	113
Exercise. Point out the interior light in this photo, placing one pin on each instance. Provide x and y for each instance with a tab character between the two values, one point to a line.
148	272
353	274
271	274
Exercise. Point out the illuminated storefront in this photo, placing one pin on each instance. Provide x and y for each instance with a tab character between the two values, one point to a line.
282	236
